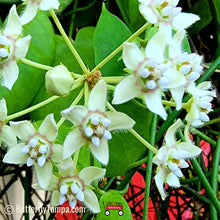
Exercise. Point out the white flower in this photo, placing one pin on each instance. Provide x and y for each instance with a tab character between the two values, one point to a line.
151	75
167	15
94	125
171	158
32	7
12	47
72	186
200	104
6	133
36	147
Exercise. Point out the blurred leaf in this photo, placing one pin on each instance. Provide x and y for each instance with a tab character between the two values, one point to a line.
201	8
217	9
64	4
114	202
31	79
110	33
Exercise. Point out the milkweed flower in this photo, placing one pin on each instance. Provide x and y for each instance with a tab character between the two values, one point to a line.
151	74
200	104
167	15
32	7
93	125
171	158
12	47
72	186
7	135
36	148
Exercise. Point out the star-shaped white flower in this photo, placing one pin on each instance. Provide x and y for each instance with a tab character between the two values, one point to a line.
37	147
33	5
171	158
167	15
93	125
12	47
200	104
69	185
151	75
7	135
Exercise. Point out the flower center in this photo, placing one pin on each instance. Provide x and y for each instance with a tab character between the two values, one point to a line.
150	75
71	190
96	128
190	66
5	49
37	151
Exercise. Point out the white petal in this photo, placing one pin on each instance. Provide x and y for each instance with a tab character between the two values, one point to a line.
62	199
88	131
91	200
151	84
156	46
23	129
119	120
132	56
154	103
91	173
72	204
190	148
10	74
74	188
41	161
175	169
44	174
29	13
46	5
159	180
95	120
72	143
80	196
107	135
170	134
14	155
33	142
55	198
25	149
148	14
75	114
101	153
22	46
97	97
13	25
57	155
183	164
95	140
8	136
63	189
30	162
66	167
126	90
177	94
184	20
3	110
172	180
49	128
106	122
3	53
179	154
43	149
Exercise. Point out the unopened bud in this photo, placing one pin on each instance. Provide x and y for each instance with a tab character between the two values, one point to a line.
59	81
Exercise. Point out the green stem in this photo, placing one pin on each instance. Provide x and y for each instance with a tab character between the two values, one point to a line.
86	93
118	49
149	169
68	42
213	121
214	175
113	79
75	158
35	64
211	194
76	100
73	19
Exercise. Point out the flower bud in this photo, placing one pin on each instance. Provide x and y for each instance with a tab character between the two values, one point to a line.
59	81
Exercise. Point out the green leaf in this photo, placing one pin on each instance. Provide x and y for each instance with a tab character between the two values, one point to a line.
30	79
110	33
124	148
217	9
64	4
113	206
201	8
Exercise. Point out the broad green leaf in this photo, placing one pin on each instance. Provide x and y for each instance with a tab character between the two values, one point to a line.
201	8
110	33
30	79
124	148
113	206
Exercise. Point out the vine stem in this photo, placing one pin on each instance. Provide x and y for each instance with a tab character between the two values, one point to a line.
41	104
118	49
68	42
35	64
136	135
76	100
